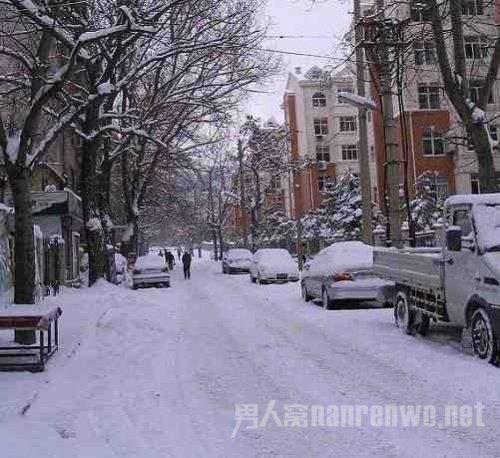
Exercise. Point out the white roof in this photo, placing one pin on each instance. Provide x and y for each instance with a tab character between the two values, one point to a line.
473	199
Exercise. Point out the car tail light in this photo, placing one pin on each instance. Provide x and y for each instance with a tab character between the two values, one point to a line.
343	277
136	271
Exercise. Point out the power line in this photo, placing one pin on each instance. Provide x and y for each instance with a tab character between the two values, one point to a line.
320	37
292	53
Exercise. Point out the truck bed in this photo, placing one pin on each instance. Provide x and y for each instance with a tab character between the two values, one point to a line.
416	267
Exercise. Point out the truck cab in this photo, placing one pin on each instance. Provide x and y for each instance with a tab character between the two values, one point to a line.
458	282
471	260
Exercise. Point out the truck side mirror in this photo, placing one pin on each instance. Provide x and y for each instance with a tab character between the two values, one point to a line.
454	238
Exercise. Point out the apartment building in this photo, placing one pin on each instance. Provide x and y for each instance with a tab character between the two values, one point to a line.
437	141
324	135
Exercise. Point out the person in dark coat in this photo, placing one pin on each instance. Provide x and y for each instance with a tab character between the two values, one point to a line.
169	259
179	253
186	262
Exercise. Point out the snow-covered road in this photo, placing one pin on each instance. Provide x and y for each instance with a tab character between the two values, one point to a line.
157	373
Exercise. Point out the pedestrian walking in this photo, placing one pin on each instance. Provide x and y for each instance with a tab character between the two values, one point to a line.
186	262
169	259
179	253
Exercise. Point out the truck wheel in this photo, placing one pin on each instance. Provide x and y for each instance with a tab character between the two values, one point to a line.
423	325
483	339
404	317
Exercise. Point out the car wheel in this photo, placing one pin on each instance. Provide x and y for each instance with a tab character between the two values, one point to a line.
167	285
423	324
252	279
305	294
135	286
326	301
404	317
484	341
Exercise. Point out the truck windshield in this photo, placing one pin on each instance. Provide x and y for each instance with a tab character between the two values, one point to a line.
487	222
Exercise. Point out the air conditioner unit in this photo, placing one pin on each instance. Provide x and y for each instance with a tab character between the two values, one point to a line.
322	165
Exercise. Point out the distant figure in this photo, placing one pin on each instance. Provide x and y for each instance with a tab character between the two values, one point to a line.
179	253
169	259
186	262
160	253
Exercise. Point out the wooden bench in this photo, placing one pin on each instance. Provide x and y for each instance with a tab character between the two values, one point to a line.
39	319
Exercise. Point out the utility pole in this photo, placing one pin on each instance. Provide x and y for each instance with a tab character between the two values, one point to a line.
363	153
242	193
392	164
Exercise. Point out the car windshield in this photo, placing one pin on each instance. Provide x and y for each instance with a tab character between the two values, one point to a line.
487	224
278	255
150	262
238	253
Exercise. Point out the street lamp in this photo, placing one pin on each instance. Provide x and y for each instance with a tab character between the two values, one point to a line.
363	104
357	101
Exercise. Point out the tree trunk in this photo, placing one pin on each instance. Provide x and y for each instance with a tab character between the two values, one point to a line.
486	165
221	242
90	205
24	271
216	250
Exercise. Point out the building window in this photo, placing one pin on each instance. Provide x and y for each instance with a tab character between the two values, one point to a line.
425	52
321	182
319	100
472	7
440	185
276	183
433	142
475	89
320	126
323	153
349	152
343	89
475	184
348	124
428	97
476	47
419	11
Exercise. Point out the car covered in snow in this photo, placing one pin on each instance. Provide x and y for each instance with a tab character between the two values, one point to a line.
273	265
236	260
343	271
150	270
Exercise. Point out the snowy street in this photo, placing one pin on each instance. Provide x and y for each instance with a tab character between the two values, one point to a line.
157	373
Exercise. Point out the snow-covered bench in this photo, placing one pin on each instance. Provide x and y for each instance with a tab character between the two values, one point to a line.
40	319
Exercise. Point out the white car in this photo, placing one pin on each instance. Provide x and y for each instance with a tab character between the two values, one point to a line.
273	265
236	260
342	271
150	270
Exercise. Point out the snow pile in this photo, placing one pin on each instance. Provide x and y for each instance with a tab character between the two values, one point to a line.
487	219
342	257
121	263
105	88
94	224
13	146
56	239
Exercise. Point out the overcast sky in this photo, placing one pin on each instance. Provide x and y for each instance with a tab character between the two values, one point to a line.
316	29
